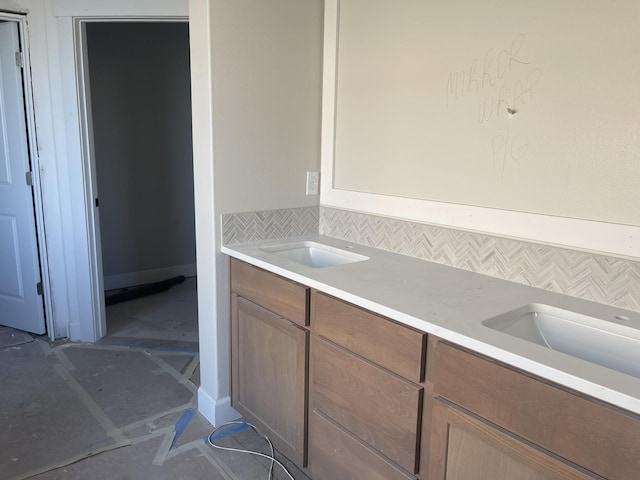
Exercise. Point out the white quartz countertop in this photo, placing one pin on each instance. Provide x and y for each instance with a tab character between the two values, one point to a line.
452	303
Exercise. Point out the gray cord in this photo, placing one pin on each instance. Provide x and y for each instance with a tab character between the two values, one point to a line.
250	452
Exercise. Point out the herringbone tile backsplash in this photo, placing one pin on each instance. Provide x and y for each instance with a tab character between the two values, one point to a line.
599	278
269	224
602	279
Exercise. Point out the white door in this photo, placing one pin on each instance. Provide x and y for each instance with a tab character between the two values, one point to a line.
20	304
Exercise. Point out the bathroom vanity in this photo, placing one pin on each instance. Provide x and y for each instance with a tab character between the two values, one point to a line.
389	367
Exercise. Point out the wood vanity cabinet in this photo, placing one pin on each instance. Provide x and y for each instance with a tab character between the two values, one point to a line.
384	401
269	356
365	393
492	422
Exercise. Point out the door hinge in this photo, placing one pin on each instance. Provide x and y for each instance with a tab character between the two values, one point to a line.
19	60
29	178
39	288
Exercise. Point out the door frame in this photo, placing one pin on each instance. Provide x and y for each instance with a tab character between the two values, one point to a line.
89	171
36	168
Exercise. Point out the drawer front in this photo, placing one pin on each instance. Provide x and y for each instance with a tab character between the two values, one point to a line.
379	407
284	297
337	455
599	438
395	347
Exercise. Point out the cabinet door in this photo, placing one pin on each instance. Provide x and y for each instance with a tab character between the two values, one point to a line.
269	360
466	448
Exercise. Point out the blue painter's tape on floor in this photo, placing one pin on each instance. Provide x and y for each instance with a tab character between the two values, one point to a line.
181	425
229	431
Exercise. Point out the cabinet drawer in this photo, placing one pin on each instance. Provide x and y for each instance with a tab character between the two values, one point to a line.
600	438
284	297
335	454
379	407
395	347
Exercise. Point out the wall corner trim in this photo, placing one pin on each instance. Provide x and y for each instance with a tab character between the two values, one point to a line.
217	412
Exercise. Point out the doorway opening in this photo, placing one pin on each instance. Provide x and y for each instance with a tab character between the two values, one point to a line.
135	80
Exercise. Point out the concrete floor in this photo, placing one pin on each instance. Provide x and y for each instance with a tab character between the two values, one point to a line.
167	320
122	409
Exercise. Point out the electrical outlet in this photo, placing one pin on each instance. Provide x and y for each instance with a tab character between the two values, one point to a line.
313	183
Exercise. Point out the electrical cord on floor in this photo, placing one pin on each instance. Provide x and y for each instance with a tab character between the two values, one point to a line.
251	452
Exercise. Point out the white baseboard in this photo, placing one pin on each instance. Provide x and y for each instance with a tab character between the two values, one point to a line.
74	332
112	282
217	412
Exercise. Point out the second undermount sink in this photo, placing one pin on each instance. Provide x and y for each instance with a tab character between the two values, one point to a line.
611	344
314	254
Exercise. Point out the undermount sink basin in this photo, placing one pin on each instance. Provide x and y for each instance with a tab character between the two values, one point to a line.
314	254
610	344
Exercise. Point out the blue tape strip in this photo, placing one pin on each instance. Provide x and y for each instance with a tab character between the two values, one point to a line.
181	425
229	431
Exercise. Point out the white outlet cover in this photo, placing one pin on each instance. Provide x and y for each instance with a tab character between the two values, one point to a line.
313	183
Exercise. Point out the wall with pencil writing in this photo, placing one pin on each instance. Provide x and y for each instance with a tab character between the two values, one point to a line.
514	105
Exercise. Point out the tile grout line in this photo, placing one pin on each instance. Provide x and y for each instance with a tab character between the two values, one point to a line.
110	428
63	359
69	461
173	372
191	368
180	408
163	451
222	467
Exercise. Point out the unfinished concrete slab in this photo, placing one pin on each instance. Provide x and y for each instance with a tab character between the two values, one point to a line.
170	316
193	460
183	363
124	408
43	420
128	385
10	337
74	411
136	463
249	466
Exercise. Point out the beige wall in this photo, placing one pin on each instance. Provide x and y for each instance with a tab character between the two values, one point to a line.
266	100
401	150
423	90
256	96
